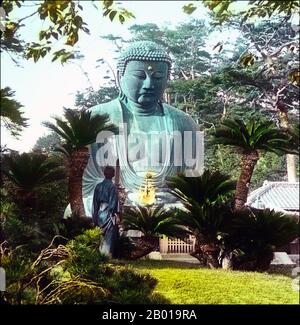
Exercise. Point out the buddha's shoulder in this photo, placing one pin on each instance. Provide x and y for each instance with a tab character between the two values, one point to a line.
179	114
111	107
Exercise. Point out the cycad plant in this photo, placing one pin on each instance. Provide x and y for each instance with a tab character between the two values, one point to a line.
29	172
257	234
294	133
206	210
206	222
210	186
249	138
27	179
152	221
78	129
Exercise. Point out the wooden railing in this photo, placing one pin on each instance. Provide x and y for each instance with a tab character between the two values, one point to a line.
176	246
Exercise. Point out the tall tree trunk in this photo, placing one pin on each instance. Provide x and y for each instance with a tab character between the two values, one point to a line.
290	159
77	164
248	162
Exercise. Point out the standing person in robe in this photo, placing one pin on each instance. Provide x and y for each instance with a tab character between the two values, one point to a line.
105	209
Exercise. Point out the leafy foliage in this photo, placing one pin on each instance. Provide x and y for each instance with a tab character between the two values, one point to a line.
206	211
11	115
252	135
47	143
203	198
249	236
223	10
185	44
79	129
206	221
152	221
35	197
85	252
30	171
294	139
268	65
249	138
65	23
209	187
73	274
258	233
271	167
86	100
114	12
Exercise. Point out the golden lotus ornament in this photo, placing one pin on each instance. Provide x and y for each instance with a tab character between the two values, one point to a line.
147	191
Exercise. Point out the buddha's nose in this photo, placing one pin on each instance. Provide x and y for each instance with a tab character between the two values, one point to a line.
148	83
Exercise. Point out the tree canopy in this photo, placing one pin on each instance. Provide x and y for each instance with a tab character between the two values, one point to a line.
11	115
64	25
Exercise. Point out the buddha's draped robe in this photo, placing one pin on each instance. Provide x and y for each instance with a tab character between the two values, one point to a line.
168	121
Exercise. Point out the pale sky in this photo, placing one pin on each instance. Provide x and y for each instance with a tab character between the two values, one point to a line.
44	88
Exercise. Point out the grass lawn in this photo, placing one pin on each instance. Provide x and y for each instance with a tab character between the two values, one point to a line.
183	283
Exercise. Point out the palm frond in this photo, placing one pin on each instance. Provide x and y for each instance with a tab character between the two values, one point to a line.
80	128
257	229
31	170
207	219
210	186
152	221
252	135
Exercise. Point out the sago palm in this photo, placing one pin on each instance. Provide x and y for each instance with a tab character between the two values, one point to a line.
210	186
30	171
294	133
250	138
204	199
152	222
258	233
78	129
206	222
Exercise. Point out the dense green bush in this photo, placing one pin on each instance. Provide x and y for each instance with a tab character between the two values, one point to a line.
33	230
33	205
246	239
256	234
74	273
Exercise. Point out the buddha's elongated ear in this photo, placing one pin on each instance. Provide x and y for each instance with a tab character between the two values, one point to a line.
118	79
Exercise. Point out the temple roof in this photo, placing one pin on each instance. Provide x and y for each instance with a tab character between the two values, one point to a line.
276	195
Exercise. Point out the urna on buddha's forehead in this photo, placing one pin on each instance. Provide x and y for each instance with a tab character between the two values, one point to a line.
143	51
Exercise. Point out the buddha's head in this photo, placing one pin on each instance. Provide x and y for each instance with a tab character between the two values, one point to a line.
143	71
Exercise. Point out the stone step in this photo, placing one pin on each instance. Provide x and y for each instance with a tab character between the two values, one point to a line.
180	258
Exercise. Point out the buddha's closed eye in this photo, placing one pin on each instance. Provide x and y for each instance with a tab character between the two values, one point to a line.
139	74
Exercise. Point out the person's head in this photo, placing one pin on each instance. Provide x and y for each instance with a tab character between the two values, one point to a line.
143	71
109	172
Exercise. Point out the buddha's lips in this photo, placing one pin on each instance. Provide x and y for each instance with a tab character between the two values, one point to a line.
148	93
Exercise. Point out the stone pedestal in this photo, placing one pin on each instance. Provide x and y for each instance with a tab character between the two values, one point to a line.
282	264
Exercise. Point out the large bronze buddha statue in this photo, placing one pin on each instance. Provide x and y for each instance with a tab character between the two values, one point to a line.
155	141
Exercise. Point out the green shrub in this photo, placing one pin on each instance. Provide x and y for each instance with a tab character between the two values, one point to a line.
257	234
74	274
84	253
18	271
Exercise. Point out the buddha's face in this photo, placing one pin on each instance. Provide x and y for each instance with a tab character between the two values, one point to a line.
144	82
